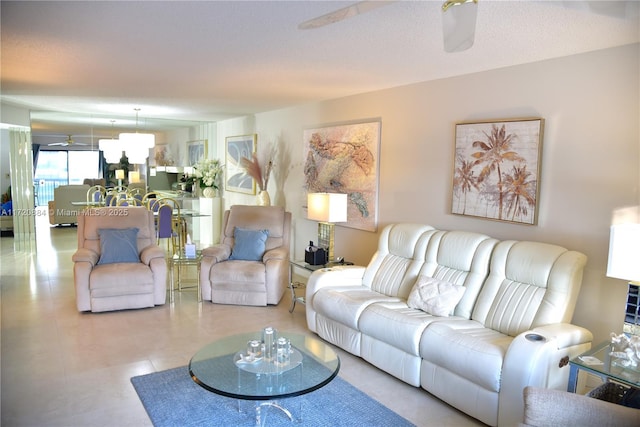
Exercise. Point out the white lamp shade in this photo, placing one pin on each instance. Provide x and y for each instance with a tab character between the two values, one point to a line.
624	245
327	207
112	149
146	140
112	156
119	173
137	156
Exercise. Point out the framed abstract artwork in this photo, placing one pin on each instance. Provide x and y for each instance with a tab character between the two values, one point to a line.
497	170
196	151
343	158
237	178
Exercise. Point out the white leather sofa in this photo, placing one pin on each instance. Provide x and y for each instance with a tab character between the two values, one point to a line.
510	329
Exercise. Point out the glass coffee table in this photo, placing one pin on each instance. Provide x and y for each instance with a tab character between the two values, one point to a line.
222	367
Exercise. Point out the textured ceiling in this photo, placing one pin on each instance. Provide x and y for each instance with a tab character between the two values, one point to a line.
210	60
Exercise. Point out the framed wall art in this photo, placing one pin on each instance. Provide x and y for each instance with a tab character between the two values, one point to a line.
196	151
237	178
497	169
343	158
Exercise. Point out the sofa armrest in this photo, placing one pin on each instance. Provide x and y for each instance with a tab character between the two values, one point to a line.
150	253
86	255
545	407
538	357
342	275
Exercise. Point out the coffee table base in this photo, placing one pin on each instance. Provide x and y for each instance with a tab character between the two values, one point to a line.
260	407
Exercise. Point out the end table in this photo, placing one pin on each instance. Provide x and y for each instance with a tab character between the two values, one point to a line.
178	261
597	361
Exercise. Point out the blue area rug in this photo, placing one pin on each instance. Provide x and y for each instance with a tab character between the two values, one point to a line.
171	398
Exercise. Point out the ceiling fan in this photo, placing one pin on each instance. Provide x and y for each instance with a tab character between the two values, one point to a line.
459	20
68	142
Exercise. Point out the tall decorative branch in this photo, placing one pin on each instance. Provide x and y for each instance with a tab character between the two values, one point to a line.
253	169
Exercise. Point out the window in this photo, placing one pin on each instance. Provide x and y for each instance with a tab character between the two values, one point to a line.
57	168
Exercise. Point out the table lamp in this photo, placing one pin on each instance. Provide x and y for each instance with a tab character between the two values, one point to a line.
119	176
134	177
327	208
624	257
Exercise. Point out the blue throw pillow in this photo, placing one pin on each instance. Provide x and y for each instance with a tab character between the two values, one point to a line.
7	208
249	244
118	245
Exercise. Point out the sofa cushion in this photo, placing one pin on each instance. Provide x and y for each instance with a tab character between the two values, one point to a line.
407	324
472	351
118	245
119	279
345	304
249	244
435	296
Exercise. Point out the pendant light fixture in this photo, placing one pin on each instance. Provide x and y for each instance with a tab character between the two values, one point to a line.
111	148
137	145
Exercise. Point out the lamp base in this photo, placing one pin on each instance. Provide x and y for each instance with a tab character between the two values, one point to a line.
326	234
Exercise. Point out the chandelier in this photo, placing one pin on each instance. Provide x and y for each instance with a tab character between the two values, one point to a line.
111	148
137	145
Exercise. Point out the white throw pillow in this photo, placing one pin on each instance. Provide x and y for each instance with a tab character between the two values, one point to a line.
435	296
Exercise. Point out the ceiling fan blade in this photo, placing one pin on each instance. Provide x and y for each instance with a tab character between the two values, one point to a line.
62	144
342	14
459	24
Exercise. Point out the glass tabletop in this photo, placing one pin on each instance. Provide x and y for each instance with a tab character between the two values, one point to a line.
306	266
181	257
215	368
599	361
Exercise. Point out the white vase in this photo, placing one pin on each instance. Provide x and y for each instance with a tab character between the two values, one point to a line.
209	192
263	198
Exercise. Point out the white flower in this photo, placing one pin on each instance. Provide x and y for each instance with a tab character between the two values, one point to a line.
209	171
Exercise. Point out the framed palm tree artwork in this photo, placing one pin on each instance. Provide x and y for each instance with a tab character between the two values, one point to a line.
497	170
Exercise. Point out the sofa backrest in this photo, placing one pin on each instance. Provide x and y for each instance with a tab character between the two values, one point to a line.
272	218
463	258
92	219
63	195
530	284
394	267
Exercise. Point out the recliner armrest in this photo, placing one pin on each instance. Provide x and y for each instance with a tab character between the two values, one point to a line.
276	253
347	275
86	255
150	253
564	334
535	358
218	253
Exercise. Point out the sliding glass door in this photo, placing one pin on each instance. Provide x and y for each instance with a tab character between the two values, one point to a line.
55	168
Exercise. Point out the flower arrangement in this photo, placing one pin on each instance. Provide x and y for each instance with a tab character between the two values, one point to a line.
255	171
209	172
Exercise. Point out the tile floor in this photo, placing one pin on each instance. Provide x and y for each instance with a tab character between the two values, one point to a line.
60	367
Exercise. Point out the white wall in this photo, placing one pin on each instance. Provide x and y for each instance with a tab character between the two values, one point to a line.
590	103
